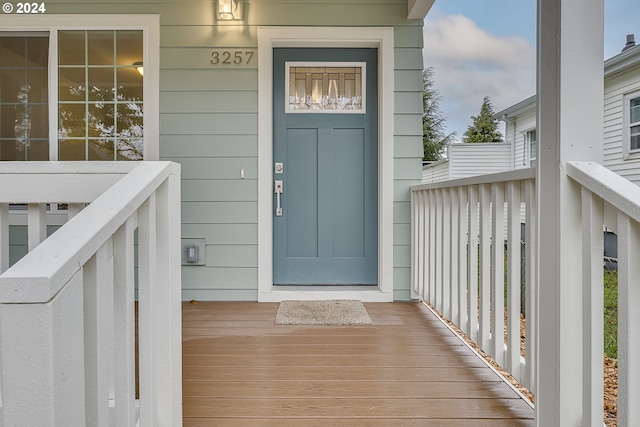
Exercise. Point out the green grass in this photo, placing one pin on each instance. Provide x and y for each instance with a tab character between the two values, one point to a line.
611	314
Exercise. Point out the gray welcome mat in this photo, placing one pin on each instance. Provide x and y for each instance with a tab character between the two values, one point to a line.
325	312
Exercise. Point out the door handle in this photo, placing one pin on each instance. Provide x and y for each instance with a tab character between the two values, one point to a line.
278	189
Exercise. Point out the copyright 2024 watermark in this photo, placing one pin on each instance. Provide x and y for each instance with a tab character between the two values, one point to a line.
24	8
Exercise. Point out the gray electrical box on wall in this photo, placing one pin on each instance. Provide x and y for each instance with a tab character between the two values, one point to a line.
193	252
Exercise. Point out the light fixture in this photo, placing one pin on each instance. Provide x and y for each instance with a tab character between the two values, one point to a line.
229	10
139	67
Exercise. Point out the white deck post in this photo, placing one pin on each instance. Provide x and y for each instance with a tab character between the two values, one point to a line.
570	93
43	366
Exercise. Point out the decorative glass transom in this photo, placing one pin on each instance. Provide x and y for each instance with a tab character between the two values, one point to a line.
315	87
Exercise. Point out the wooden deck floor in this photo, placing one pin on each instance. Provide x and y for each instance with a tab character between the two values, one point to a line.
407	369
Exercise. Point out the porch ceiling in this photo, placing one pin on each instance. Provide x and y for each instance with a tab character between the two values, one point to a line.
417	9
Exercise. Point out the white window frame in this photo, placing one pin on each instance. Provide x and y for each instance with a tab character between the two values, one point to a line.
52	24
530	154
627	152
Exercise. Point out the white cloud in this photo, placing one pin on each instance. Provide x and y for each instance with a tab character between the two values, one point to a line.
471	63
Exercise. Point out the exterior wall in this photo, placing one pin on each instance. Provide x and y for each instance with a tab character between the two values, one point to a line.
615	88
436	172
515	131
470	160
209	124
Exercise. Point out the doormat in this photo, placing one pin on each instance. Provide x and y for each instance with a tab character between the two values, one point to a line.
324	312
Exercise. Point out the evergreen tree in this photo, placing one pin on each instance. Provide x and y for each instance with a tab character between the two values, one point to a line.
434	138
484	127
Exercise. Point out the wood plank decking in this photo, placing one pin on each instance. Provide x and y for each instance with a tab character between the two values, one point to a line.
407	369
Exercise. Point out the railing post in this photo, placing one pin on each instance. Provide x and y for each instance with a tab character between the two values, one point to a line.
43	365
569	59
628	322
160	307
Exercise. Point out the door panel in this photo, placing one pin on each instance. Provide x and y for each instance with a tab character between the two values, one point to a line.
327	233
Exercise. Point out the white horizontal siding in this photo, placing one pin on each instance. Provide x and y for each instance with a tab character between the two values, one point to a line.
436	172
478	159
615	88
523	124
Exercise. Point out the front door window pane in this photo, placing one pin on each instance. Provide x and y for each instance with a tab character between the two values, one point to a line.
102	118
321	88
24	107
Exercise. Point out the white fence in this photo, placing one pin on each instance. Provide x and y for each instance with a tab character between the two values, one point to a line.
457	268
67	320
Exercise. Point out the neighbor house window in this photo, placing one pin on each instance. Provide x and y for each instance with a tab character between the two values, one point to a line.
532	142
73	93
631	117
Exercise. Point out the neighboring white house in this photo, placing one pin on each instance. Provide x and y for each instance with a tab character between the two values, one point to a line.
468	160
621	108
621	130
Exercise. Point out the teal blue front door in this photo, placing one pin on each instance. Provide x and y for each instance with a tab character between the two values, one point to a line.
325	226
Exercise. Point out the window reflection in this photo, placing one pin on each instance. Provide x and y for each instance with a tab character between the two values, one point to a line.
101	97
23	98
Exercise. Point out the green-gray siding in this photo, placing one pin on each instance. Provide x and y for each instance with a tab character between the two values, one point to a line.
209	123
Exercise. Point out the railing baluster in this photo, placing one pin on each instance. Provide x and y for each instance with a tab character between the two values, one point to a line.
445	280
73	209
472	265
454	269
437	301
147	274
431	254
592	308
463	255
4	237
628	321
423	243
531	297
496	350
37	224
415	239
124	344
484	290
513	280
98	308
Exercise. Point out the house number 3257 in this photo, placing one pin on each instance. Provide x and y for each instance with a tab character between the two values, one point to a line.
231	57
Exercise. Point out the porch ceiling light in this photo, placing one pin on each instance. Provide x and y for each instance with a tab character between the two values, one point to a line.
229	10
139	68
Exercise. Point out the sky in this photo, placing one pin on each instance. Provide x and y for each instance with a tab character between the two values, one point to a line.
484	48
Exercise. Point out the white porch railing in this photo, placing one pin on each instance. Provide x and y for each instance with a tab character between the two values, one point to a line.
67	322
462	274
458	269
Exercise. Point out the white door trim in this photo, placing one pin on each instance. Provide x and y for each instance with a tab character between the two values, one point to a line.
382	38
